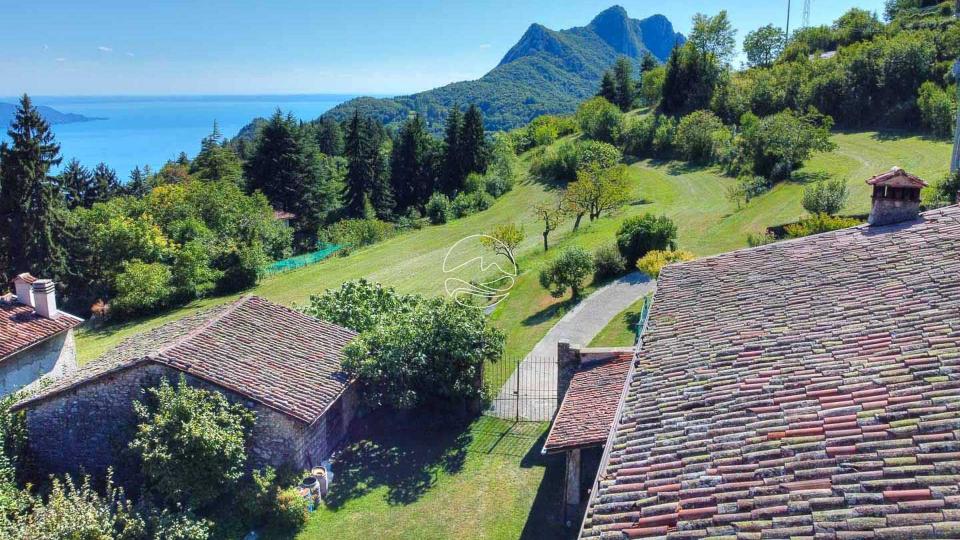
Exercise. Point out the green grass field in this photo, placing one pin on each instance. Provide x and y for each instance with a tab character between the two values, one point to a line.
622	330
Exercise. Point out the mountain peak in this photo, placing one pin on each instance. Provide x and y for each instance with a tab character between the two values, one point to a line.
537	38
612	13
615	27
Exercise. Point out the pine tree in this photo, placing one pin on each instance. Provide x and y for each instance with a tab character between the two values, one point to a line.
381	193
473	143
329	136
217	161
452	171
74	182
30	220
356	187
411	171
649	62
105	185
608	88
138	184
625	87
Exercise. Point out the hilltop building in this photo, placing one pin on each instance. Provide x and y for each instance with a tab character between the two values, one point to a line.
278	362
36	339
806	388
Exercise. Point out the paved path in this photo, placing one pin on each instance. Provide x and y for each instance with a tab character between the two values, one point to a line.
580	325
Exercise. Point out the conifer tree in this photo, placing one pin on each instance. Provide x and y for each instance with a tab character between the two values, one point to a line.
74	182
453	174
608	88
473	143
29	200
217	161
105	185
381	194
625	87
329	136
368	182
411	174
138	184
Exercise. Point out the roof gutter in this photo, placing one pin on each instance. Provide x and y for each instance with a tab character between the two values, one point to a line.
604	459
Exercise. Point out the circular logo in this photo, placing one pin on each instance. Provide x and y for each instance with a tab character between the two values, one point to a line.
480	271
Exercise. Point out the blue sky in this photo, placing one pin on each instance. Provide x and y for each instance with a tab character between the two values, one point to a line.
70	47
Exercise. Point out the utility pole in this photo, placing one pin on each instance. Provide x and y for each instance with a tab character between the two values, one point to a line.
805	22
788	20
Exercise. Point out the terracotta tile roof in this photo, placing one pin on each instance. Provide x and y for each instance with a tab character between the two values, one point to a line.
21	327
896	177
808	387
588	408
266	352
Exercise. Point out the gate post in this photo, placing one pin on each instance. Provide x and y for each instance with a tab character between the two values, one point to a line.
568	360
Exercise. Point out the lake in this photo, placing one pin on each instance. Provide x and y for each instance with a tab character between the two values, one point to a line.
149	130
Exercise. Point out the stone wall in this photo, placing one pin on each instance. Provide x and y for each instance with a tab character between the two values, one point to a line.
89	427
51	358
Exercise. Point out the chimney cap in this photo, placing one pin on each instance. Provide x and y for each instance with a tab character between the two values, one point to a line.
25	278
897	177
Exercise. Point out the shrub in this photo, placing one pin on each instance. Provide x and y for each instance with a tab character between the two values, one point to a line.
438	209
637	137
938	109
473	183
422	352
653	262
651	86
357	233
141	288
567	271
640	234
191	443
82	513
599	119
290	511
696	136
819	223
826	197
470	203
607	262
944	192
756	240
774	146
504	169
561	164
242	266
663	135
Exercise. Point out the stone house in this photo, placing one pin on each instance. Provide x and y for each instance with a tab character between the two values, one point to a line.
281	364
36	339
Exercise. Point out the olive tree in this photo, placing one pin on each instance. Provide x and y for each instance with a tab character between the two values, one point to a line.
567	271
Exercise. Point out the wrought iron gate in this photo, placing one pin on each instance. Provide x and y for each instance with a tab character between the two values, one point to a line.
523	390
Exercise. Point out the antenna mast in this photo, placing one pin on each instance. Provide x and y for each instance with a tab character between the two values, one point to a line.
788	20
806	13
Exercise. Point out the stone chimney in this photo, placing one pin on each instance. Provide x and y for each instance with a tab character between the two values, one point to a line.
23	286
896	197
45	298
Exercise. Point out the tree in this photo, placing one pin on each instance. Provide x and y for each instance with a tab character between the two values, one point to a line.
367	184
640	234
653	262
329	136
439	208
608	88
217	161
551	213
714	35
826	197
75	182
453	175
412	175
597	190
474	152
141	288
29	220
763	45
503	240
773	147
938	109
599	119
567	271
651	86
648	62
138	184
697	135
104	186
691	78
191	443
625	86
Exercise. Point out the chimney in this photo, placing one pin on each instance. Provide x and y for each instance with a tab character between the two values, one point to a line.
896	197
46	299
22	285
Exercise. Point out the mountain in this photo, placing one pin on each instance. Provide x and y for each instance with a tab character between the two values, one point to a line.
9	110
546	72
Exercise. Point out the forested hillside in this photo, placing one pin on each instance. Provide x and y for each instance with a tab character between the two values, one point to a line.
546	72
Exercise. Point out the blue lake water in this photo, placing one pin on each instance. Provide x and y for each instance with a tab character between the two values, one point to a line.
142	131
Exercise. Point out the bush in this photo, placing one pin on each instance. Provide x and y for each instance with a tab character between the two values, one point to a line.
567	271
359	305
473	183
561	164
82	513
422	352
696	136
653	262
637	137
826	197
756	240
944	192
607	262
600	120
773	147
191	443
290	511
663	135
938	109
504	168
356	233
242	268
638	235
439	209
141	288
470	203
819	223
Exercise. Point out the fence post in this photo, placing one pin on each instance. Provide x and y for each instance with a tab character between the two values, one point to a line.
519	372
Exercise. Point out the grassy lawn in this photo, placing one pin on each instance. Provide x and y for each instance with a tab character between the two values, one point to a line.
693	197
622	330
410	480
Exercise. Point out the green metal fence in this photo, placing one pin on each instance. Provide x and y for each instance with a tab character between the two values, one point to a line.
300	261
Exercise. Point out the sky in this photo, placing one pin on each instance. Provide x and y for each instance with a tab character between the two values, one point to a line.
123	47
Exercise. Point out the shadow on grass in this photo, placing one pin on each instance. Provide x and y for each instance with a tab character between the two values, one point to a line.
552	311
896	135
402	454
808	177
544	519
